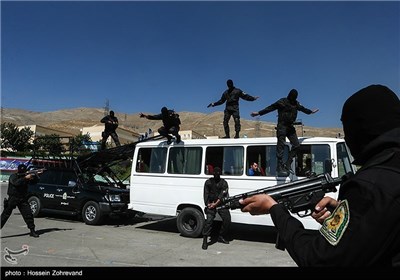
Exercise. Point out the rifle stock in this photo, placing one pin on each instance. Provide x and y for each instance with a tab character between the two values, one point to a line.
297	196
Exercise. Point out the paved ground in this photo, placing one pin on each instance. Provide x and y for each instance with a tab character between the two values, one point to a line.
142	241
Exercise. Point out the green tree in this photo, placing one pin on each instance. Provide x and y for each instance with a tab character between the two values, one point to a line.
14	139
49	144
79	143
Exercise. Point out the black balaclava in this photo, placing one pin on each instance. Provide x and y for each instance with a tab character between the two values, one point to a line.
164	111
292	96
22	168
229	83
112	113
217	174
367	114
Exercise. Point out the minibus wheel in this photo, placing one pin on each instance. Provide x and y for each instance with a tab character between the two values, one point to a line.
190	222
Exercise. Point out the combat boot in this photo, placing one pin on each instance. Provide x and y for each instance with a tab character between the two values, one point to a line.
288	165
205	244
33	233
221	239
281	171
237	134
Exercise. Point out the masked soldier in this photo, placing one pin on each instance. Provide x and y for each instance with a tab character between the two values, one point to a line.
361	228
287	114
110	125
17	197
214	190
231	97
171	124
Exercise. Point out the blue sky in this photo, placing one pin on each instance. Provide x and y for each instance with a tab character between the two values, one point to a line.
141	56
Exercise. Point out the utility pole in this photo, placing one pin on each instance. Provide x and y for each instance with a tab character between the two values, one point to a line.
107	108
257	127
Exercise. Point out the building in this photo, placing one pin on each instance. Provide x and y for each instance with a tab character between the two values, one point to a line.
125	136
190	134
39	130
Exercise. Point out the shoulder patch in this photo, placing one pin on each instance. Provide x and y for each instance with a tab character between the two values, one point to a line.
336	224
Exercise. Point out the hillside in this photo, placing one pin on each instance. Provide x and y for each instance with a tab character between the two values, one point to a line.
72	120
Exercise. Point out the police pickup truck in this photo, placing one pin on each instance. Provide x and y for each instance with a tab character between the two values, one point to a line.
84	186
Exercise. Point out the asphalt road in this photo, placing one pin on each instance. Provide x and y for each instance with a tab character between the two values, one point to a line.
141	241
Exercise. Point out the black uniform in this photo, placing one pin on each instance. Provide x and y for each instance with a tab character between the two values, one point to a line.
287	115
214	190
231	96
110	126
17	197
171	123
371	122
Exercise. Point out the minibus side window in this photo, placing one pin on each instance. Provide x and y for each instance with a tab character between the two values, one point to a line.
151	160
229	159
184	160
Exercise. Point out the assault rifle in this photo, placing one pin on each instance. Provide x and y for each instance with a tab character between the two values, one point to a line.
34	172
298	197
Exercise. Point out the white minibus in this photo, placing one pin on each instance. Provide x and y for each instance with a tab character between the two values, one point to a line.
169	179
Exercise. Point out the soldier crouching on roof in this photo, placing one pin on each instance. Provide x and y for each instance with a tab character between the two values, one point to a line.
171	124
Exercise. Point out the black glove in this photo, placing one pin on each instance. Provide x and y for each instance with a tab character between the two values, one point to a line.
210	105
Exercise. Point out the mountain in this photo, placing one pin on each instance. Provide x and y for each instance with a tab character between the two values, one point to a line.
72	120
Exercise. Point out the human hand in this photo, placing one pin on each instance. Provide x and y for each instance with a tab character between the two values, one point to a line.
257	204
314	111
256	97
253	114
210	105
321	211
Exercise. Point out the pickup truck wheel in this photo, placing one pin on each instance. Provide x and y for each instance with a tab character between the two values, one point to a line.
190	222
91	213
36	206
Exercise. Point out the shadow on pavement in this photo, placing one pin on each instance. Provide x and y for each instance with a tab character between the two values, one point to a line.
40	232
112	220
237	231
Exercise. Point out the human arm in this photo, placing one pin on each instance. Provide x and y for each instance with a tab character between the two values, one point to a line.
321	211
268	109
306	110
206	191
370	238
248	97
151	117
219	102
223	191
258	204
104	120
20	180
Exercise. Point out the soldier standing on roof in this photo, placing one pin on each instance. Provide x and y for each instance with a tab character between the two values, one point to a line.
231	97
110	125
287	113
